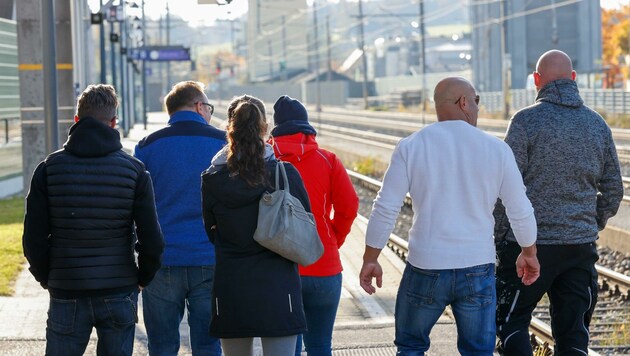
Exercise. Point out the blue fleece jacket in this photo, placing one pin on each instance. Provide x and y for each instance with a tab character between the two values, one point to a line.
176	156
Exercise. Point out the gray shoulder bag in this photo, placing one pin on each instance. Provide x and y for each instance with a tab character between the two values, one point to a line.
284	227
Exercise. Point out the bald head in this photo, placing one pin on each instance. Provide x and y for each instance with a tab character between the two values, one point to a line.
553	65
455	100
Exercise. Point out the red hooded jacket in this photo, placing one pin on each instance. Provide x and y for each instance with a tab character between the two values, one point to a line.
329	190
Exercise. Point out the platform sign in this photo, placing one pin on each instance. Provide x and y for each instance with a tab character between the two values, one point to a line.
114	13
161	53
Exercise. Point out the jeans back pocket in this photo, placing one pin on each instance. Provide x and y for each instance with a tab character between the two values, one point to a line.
481	284
122	311
61	315
420	285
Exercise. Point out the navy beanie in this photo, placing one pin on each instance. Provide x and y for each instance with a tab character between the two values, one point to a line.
288	109
290	117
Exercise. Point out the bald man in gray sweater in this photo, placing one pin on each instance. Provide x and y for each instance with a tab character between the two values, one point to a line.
566	154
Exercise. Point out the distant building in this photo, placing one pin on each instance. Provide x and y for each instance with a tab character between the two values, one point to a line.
532	28
396	57
7	9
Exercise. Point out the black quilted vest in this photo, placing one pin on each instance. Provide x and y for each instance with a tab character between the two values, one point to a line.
91	188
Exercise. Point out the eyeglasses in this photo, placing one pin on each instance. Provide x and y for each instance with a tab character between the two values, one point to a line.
476	99
208	105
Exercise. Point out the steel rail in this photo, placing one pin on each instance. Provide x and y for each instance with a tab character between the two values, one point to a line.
617	278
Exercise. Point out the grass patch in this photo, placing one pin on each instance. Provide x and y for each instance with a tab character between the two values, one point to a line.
621	121
11	226
366	166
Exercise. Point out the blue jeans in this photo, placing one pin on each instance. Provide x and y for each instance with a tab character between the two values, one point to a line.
173	289
70	323
423	295
320	296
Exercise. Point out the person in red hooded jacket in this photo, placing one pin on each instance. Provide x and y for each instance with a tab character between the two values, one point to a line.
330	191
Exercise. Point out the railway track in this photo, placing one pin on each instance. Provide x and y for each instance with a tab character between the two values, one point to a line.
360	134
398	125
611	320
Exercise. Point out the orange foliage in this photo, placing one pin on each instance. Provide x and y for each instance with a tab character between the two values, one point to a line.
615	28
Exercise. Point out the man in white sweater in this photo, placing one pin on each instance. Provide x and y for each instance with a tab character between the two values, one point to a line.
454	173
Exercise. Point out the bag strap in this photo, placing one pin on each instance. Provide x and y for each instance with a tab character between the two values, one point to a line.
278	163
280	167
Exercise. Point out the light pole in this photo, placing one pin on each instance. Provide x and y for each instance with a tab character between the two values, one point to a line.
504	62
423	67
102	45
363	58
318	102
144	70
50	75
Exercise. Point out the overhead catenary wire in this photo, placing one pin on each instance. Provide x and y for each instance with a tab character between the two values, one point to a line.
301	50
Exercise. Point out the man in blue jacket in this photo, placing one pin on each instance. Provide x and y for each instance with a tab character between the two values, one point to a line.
176	155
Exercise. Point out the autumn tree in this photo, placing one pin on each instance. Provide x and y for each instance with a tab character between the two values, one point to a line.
615	28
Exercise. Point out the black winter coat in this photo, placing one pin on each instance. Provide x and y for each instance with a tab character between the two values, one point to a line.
79	233
256	291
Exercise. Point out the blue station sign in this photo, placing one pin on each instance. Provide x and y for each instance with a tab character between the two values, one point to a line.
160	53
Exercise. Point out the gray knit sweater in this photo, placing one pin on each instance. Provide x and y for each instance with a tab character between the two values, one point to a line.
568	159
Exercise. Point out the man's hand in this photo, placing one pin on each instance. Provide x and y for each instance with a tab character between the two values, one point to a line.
527	266
371	269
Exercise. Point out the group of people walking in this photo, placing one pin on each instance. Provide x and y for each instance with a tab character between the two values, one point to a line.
176	220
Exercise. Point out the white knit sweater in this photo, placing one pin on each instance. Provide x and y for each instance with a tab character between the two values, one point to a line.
454	173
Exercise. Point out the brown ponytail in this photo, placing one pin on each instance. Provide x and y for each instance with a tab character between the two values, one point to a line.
246	147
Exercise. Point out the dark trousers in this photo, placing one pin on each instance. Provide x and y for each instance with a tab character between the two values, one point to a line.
568	276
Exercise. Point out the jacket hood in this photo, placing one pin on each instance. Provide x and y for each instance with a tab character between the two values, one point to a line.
231	191
561	92
294	148
219	161
91	138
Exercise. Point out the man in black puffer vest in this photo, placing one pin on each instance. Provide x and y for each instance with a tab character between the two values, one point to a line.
79	232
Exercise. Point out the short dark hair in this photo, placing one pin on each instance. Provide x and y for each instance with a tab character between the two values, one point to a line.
183	94
98	101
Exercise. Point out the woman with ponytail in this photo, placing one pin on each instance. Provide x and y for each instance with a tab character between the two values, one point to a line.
256	291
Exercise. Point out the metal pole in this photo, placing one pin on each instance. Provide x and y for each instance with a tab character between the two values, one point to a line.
423	67
50	75
504	71
270	60
318	100
123	78
328	49
102	45
364	60
133	107
144	70
112	52
284	48
258	16
232	43
168	43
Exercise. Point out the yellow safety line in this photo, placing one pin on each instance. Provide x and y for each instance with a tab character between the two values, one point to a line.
39	66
